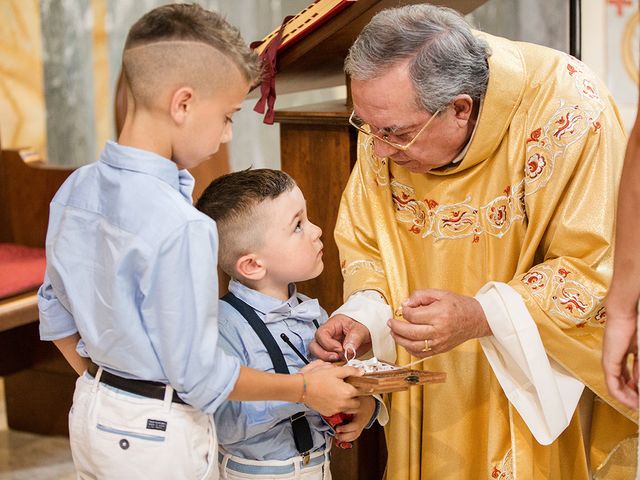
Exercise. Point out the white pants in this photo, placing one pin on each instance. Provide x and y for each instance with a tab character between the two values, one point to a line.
236	468
120	436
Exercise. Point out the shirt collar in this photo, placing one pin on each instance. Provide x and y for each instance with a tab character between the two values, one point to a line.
259	301
149	163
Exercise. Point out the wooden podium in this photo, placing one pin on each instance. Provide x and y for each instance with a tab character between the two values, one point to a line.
318	149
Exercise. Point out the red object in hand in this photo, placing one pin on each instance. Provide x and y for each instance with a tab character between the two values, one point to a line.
340	419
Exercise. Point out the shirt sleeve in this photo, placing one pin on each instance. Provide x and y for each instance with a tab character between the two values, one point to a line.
544	394
238	421
55	319
179	309
369	308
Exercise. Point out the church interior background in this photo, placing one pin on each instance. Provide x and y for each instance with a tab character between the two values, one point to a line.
59	62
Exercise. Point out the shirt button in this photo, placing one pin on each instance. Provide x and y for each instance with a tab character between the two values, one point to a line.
124	444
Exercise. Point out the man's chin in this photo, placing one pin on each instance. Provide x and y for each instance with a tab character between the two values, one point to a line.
412	165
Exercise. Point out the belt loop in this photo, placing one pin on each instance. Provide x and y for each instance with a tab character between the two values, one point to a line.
297	466
225	461
326	469
96	380
168	397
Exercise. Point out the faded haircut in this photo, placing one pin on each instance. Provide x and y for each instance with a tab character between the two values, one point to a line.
445	58
232	201
186	24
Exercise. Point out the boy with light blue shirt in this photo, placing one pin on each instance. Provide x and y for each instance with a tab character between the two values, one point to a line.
267	243
131	266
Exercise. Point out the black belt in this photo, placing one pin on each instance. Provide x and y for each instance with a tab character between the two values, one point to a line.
144	388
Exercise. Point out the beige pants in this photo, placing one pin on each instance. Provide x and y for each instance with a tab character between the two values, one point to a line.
120	436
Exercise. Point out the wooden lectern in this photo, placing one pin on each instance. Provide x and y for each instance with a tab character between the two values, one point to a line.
318	149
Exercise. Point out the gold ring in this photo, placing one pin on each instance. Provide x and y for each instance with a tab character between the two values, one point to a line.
426	346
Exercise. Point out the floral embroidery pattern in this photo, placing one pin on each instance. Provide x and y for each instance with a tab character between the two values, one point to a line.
535	280
459	220
504	470
571	299
377	164
568	124
535	165
357	265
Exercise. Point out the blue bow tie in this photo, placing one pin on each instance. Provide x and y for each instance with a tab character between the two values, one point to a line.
306	311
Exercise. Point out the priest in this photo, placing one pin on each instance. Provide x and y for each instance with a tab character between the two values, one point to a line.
476	233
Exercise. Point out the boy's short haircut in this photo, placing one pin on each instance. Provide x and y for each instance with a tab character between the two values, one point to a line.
232	201
175	31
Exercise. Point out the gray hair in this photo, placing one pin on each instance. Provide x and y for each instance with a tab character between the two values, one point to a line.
447	58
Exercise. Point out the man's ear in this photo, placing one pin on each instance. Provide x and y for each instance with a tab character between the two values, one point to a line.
181	104
462	107
251	267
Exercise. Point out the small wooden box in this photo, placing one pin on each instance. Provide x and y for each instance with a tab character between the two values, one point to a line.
394	380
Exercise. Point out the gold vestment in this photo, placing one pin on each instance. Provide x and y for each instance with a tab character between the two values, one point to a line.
532	204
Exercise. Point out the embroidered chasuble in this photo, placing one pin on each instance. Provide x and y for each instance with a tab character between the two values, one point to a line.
532	204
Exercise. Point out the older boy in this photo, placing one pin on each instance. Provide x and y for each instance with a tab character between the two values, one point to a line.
267	243
131	266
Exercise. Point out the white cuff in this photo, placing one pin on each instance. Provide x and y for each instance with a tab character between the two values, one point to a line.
542	391
383	413
369	308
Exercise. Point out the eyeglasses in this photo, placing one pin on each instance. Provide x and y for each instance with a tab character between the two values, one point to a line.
365	128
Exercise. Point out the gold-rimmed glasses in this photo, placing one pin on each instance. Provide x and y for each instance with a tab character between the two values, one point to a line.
365	128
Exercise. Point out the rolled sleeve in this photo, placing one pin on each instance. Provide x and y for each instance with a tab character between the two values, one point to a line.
55	320
180	311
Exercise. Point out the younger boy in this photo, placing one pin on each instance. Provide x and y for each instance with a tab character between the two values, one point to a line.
131	266
267	243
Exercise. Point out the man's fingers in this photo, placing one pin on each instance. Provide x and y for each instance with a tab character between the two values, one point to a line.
356	337
410	331
329	340
319	352
424	297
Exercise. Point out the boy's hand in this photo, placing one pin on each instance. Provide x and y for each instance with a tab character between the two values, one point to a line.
315	365
327	393
352	430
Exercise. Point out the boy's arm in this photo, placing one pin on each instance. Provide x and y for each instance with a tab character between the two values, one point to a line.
57	324
237	421
180	312
67	346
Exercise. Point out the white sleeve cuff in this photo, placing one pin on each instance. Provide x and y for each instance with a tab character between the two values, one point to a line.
369	308
542	391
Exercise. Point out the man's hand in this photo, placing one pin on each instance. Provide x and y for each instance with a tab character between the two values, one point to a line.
437	321
339	333
619	343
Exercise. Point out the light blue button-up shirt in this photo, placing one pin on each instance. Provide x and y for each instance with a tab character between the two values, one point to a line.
262	430
131	266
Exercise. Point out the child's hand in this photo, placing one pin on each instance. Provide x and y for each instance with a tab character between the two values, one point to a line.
316	364
326	391
353	429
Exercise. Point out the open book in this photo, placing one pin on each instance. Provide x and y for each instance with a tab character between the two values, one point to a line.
297	26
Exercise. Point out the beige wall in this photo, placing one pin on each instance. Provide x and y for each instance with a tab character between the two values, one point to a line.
22	104
22	114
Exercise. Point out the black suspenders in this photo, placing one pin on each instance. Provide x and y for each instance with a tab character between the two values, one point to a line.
299	423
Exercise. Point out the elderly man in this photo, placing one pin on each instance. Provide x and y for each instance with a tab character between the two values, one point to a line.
480	210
